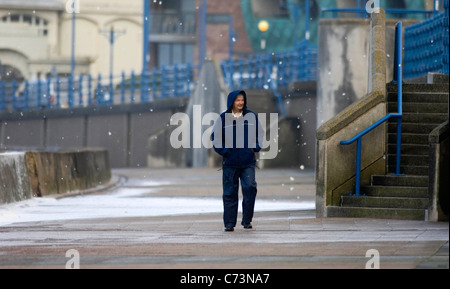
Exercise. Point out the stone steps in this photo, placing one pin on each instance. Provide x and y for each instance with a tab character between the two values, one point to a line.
405	197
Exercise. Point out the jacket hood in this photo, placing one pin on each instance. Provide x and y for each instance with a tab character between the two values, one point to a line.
232	97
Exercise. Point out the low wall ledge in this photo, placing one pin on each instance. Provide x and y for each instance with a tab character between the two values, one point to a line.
439	133
350	114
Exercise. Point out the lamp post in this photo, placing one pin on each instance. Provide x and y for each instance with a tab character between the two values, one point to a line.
263	26
202	32
307	16
112	35
146	36
72	62
231	38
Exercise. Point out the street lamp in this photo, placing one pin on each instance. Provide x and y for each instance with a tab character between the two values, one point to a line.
307	19
263	26
112	35
72	64
231	37
146	36
202	32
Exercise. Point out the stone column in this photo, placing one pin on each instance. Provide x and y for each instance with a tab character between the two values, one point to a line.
377	63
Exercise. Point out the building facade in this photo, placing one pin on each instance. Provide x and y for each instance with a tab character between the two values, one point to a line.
36	35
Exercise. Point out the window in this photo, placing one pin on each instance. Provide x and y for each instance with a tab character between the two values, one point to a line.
32	20
8	73
399	4
270	8
174	53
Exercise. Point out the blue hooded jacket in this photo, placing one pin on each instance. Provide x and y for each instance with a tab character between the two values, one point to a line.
241	137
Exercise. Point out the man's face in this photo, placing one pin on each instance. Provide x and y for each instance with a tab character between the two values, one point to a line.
239	103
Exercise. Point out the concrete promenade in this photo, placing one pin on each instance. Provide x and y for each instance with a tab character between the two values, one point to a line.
290	238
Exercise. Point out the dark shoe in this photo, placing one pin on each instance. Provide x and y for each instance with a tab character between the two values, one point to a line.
229	229
247	225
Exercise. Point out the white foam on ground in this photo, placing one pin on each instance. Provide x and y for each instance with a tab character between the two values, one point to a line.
127	202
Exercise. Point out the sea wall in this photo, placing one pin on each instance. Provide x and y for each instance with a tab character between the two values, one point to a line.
41	173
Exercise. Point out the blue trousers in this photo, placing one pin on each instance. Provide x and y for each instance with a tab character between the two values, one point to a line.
231	177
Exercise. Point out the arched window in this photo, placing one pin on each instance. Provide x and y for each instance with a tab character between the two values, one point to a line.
8	73
30	19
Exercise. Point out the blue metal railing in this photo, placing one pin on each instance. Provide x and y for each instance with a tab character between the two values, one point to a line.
362	13
399	115
85	90
272	70
426	46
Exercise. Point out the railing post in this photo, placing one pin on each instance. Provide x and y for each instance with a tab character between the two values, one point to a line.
58	92
241	72
122	89
164	82
39	93
398	70
144	89
176	80
358	168
71	91
48	93
14	100
189	78
230	73
99	93
80	91
111	89
2	96
132	86
251	79
26	96
90	90
154	82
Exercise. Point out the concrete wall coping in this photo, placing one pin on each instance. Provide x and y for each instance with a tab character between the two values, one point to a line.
348	21
439	134
359	21
158	105
350	114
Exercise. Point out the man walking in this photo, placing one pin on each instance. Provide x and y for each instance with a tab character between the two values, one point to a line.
236	137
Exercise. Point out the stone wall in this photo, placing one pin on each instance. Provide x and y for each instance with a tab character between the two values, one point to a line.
346	68
336	164
121	129
41	173
15	183
438	209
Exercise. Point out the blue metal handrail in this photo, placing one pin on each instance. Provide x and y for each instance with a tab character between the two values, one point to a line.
399	115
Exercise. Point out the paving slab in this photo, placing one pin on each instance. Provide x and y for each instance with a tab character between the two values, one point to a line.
281	239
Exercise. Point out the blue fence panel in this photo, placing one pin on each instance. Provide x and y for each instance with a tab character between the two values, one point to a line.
445	39
272	70
363	13
85	90
426	46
